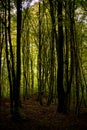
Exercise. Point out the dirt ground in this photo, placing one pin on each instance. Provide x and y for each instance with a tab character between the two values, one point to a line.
36	117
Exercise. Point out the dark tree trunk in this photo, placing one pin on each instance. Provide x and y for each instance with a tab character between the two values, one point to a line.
18	69
32	75
54	37
11	55
1	59
8	64
60	88
40	60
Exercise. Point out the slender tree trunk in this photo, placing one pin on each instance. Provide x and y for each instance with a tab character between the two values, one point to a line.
60	88
50	98
54	37
12	66
40	60
32	76
18	69
0	61
72	48
8	65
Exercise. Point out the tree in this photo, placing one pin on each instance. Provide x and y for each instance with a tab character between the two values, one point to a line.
18	69
60	87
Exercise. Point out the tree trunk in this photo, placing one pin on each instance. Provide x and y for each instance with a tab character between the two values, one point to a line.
60	88
18	69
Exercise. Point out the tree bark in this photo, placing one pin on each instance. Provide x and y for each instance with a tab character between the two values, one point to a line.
60	88
18	69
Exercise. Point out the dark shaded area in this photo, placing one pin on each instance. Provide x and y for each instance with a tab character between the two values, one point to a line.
36	117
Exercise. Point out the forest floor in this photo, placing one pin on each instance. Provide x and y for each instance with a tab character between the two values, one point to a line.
36	117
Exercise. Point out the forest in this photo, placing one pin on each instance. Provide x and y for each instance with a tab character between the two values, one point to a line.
43	65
